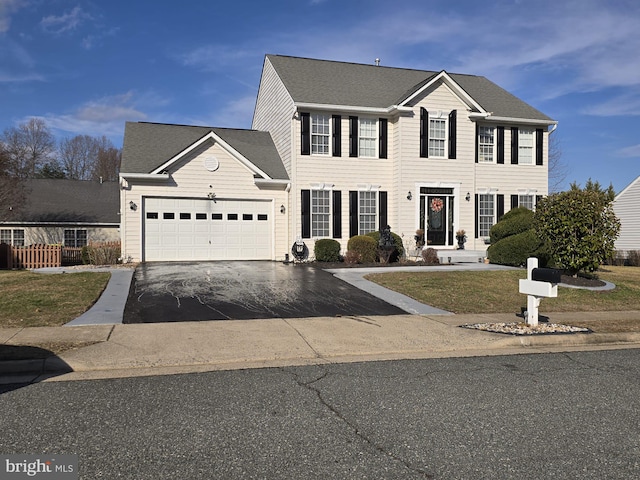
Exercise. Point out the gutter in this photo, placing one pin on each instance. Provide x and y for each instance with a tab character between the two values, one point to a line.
145	176
353	108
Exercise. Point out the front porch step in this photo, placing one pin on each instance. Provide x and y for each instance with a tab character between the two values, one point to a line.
462	256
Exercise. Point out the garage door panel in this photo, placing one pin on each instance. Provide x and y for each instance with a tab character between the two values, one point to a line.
197	229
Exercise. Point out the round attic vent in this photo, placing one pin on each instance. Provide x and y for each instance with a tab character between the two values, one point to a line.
211	164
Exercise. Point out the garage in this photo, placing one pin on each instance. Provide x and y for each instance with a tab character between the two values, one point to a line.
182	229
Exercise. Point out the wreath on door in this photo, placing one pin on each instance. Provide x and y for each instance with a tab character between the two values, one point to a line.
436	204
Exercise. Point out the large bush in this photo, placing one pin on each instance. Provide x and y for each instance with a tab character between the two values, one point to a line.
365	246
327	250
579	227
397	243
515	249
516	220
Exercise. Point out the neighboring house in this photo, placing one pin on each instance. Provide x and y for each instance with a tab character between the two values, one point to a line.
66	212
626	206
338	149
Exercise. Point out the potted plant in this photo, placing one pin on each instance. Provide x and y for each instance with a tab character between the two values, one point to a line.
419	238
461	237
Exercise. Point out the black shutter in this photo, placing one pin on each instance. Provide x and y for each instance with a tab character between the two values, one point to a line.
500	207
453	122
305	131
539	142
500	145
382	143
306	213
336	135
477	217
514	201
353	136
477	141
337	214
514	145
353	213
382	210
538	198
424	133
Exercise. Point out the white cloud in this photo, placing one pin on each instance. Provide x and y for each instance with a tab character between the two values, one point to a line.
214	57
629	152
63	23
625	104
7	8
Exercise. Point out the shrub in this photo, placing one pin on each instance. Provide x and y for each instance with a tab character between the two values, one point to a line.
351	257
327	250
515	249
398	253
365	246
633	258
430	256
515	221
101	253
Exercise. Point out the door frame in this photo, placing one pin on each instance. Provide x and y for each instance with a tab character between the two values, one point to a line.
455	186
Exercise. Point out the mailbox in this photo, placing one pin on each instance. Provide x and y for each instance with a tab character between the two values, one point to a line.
550	275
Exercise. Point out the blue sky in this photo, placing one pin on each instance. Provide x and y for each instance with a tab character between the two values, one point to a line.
87	66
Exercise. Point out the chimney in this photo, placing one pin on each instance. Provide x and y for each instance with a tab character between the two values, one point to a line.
377	62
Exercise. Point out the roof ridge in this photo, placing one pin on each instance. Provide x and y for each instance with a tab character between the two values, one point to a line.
198	126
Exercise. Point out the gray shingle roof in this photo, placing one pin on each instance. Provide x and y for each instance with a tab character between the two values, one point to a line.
339	83
148	145
70	201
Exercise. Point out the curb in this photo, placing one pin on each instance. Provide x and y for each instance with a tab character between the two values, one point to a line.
14	369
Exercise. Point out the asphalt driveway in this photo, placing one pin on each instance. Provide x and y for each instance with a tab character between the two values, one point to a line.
174	292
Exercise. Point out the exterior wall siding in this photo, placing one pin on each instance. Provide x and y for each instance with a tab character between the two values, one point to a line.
190	179
626	207
54	235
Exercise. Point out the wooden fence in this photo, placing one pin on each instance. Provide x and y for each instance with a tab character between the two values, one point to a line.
43	256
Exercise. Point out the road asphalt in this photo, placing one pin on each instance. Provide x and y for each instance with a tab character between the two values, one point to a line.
110	349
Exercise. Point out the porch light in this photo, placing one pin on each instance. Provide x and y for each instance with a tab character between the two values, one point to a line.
409	196
468	197
282	209
133	206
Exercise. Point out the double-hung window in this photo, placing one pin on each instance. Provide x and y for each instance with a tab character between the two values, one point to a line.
75	238
437	137
320	213
486	144
525	146
526	201
486	214
367	212
320	134
12	237
367	137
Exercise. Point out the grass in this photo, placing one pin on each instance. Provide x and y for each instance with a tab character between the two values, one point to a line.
43	300
497	292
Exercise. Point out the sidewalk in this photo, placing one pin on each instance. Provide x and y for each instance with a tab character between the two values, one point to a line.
118	350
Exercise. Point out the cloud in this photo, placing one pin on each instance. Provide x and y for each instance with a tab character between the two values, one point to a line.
629	152
66	22
625	104
214	57
8	7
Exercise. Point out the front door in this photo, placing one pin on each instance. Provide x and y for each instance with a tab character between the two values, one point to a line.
436	215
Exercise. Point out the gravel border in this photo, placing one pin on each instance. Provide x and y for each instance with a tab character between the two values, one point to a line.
519	328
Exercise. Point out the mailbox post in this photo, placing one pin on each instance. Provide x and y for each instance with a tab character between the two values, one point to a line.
540	283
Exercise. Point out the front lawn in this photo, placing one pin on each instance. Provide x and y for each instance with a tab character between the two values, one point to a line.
39	300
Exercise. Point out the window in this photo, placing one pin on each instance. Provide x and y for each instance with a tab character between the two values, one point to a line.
367	137
185	216
168	215
437	137
201	216
486	144
75	238
525	147
247	216
526	201
152	215
12	237
320	134
320	212
486	214
366	212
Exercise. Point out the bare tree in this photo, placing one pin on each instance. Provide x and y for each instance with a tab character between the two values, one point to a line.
107	165
12	195
77	156
558	170
28	147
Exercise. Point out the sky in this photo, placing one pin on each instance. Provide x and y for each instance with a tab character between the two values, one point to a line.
87	66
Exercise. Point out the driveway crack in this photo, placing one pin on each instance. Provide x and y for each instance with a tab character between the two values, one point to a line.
315	352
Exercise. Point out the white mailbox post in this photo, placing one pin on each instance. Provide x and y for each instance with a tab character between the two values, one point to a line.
536	290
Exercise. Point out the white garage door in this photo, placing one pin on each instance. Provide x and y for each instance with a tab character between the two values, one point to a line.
195	229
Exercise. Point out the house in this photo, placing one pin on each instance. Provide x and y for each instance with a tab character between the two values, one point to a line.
336	150
66	212
625	206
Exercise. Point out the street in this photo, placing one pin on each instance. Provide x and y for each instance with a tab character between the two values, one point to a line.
564	415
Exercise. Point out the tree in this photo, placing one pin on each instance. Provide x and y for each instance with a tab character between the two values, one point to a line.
89	158
107	165
28	147
578	226
12	195
51	170
558	170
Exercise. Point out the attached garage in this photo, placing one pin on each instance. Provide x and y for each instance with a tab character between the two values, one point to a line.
197	229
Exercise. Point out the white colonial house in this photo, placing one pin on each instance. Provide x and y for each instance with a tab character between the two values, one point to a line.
337	149
626	206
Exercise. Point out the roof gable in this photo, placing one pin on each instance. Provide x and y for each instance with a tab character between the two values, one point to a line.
152	147
331	83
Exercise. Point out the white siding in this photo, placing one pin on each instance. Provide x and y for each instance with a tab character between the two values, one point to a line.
627	207
190	179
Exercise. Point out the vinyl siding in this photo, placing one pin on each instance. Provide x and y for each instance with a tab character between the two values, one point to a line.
626	206
190	179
